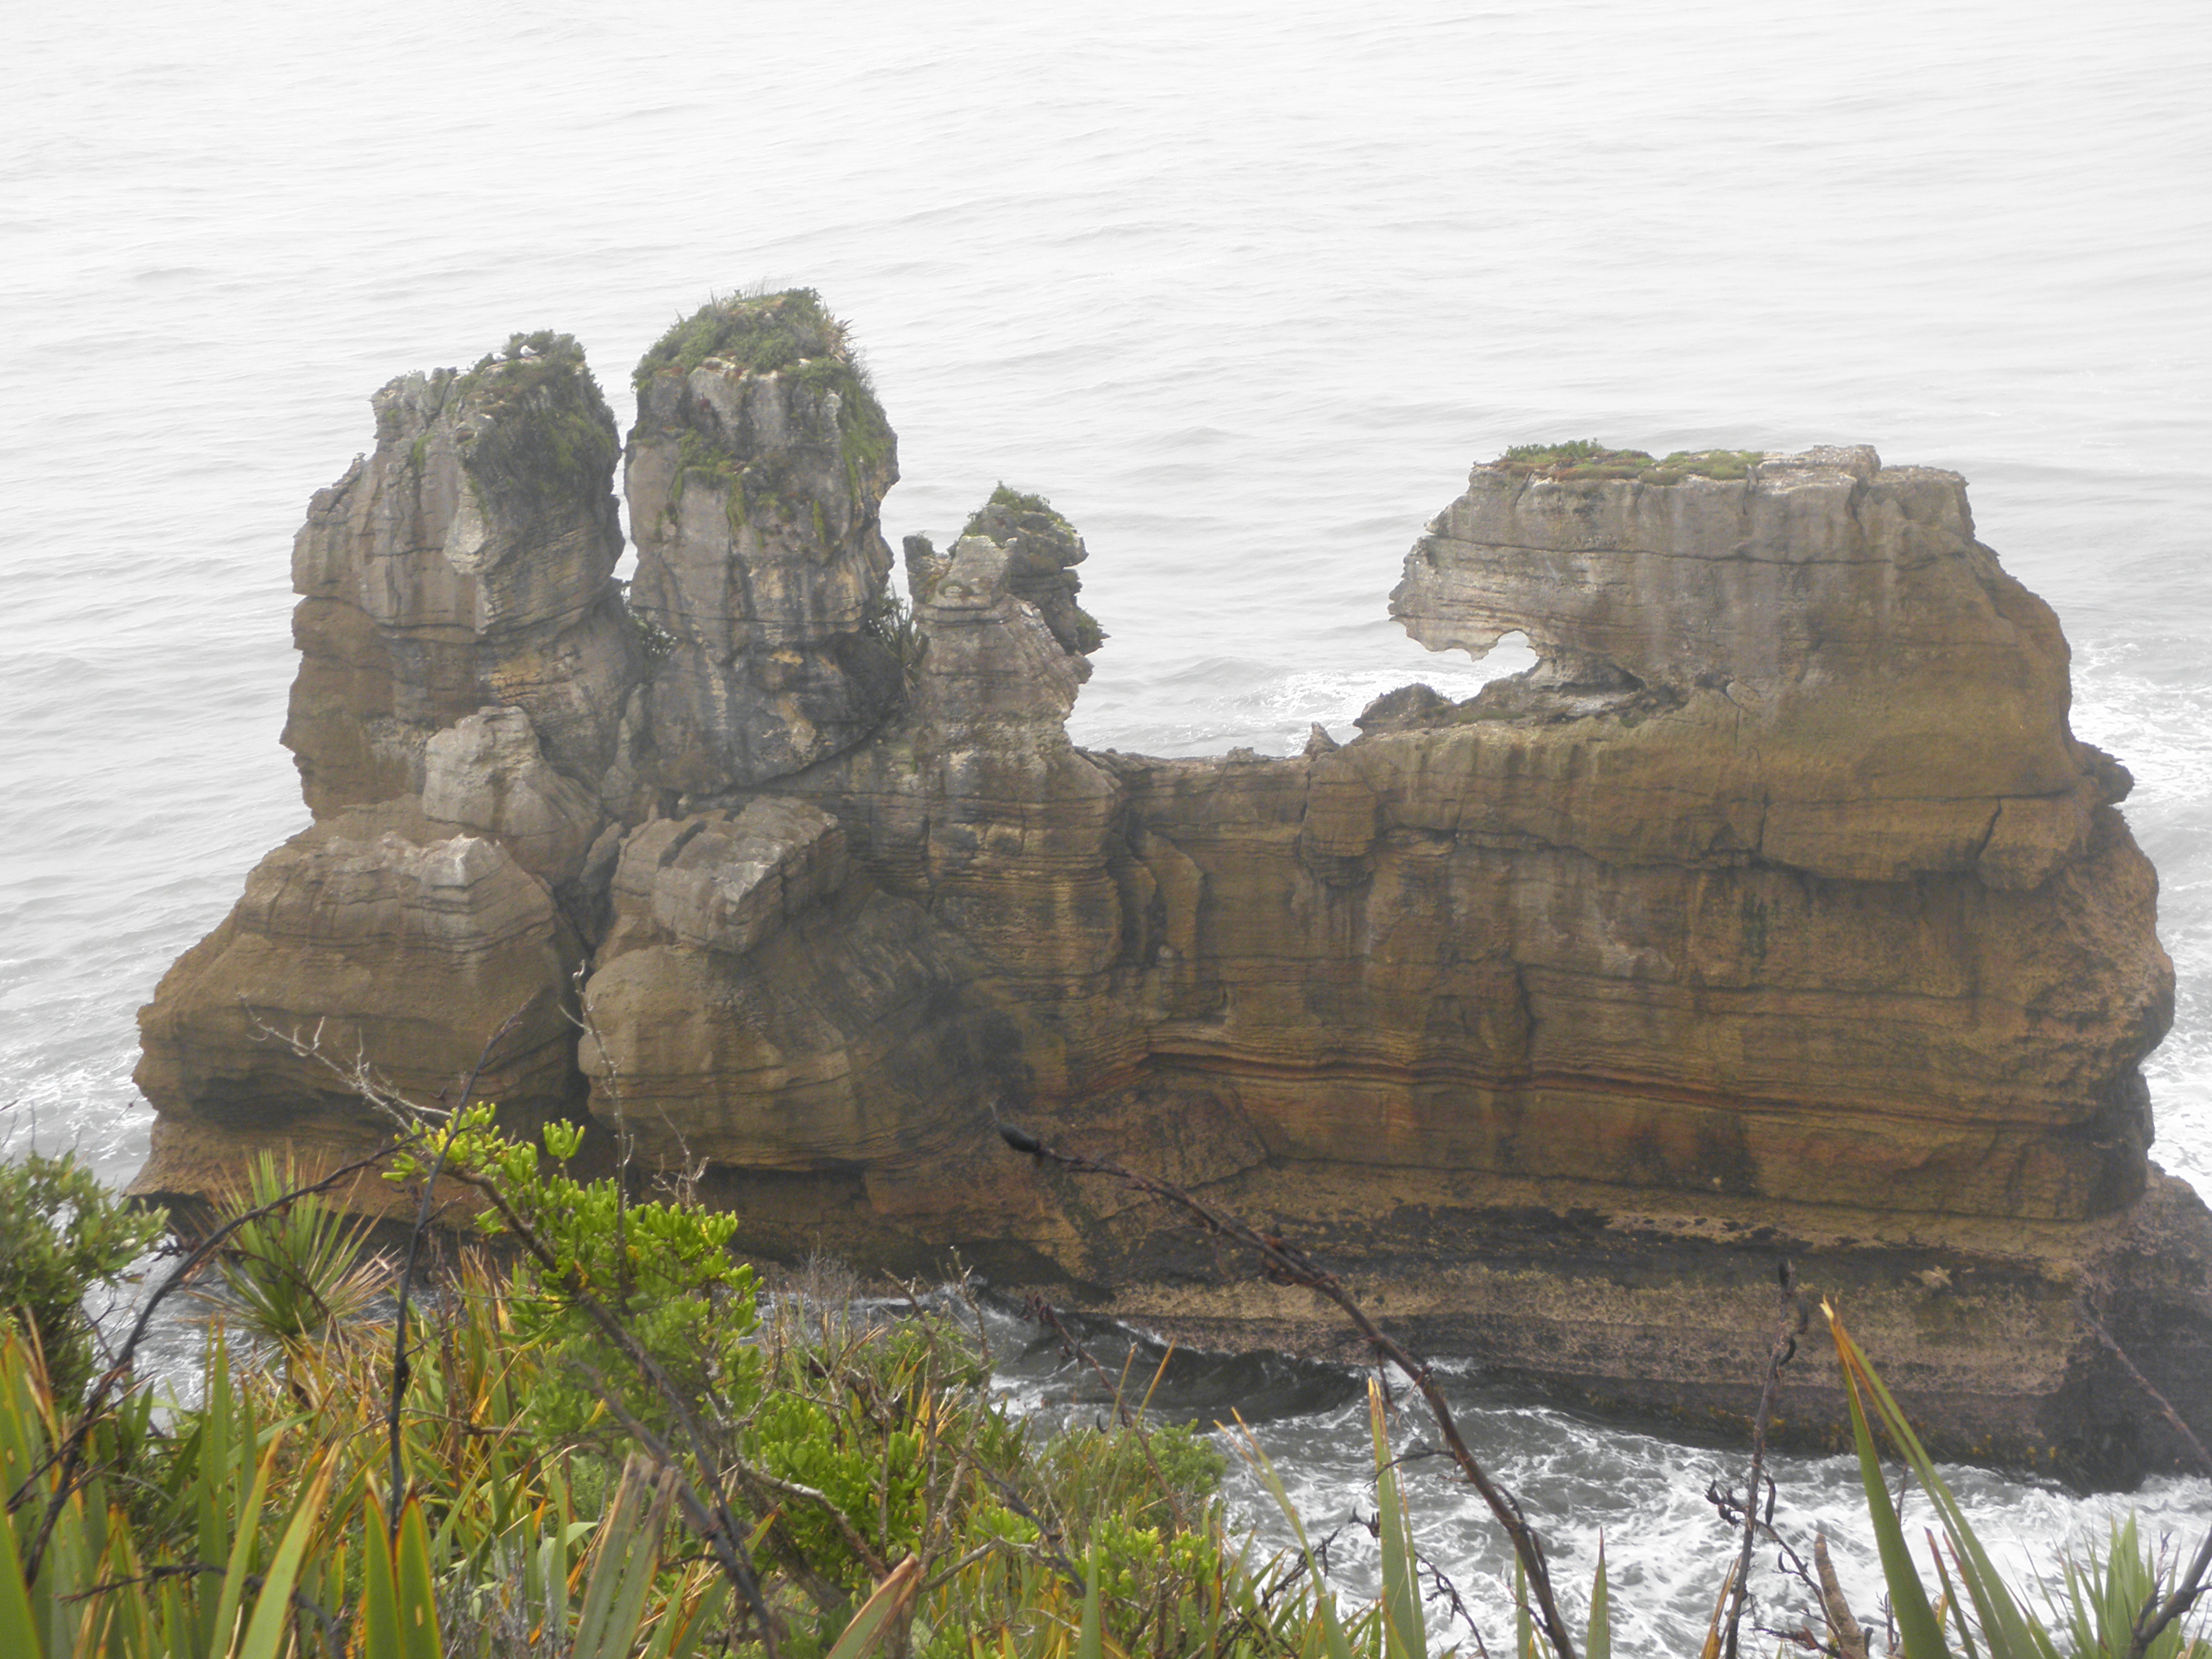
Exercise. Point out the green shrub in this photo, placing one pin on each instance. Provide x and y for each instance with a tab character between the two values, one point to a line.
893	1505
663	1269
62	1233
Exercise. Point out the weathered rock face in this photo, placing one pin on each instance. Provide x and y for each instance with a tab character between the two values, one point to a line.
467	562
1774	912
375	937
978	801
1884	701
1041	551
755	473
466	662
486	772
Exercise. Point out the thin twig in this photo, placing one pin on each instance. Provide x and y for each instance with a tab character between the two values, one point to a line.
1788	1327
1290	1266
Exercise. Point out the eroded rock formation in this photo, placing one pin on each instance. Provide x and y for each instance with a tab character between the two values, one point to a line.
466	662
1774	912
369	936
756	470
466	561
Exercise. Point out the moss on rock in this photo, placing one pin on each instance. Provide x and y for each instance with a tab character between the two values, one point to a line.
1586	458
793	332
545	416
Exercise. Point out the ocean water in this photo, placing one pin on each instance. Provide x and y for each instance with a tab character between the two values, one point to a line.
1243	288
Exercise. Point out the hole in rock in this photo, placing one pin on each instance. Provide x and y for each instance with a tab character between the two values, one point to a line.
1512	654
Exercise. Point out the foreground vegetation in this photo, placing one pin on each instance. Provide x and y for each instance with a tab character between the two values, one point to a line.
614	1445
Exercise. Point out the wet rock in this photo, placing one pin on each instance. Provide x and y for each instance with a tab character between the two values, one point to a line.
1407	709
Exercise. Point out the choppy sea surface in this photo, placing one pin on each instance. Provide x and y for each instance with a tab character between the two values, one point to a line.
1243	288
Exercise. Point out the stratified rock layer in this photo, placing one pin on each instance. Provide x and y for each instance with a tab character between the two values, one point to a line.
1869	695
756	472
467	562
465	663
1776	912
369	939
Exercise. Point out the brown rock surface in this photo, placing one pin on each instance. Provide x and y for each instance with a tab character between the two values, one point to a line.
1774	912
723	881
464	662
375	938
757	1005
1876	698
487	773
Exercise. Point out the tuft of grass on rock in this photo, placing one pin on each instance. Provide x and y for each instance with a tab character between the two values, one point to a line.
760	333
787	333
1585	457
549	418
1010	513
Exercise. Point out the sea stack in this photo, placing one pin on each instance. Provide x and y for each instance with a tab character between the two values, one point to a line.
1776	912
756	472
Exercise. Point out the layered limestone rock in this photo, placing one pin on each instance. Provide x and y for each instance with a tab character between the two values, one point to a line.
724	881
369	940
1749	691
756	1006
979	799
465	662
1041	551
467	562
1774	912
995	933
755	474
1561	1014
1876	698
488	773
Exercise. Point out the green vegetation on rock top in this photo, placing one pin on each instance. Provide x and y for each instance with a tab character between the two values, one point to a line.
1004	515
527	363
758	332
1725	464
1044	546
565	429
1585	457
770	333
